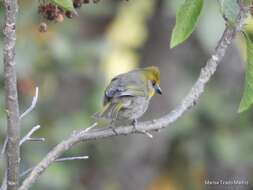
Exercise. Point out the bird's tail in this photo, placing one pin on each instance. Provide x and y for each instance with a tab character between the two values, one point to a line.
103	112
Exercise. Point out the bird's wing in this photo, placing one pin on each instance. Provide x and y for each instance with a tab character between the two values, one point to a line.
123	85
110	110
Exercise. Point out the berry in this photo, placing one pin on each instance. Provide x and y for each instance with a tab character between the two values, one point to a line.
59	18
43	27
50	12
77	4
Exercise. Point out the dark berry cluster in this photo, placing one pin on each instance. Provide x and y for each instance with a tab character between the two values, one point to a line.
251	9
78	3
52	12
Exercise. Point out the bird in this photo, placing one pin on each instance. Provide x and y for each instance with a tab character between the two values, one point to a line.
128	95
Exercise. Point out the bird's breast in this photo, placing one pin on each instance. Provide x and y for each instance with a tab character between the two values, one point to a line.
135	108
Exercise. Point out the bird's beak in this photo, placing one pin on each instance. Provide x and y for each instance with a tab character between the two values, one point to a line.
158	89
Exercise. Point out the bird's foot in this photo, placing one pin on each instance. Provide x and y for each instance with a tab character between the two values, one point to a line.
112	127
134	123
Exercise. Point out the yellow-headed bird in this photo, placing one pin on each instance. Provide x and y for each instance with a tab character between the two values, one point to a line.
127	96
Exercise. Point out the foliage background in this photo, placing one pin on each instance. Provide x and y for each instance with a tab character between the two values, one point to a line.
73	62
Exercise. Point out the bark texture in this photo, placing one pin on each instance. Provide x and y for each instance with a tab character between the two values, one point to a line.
11	97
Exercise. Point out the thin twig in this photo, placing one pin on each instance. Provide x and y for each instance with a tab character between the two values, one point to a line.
57	160
32	106
28	137
4	147
26	172
72	158
42	139
4	182
149	135
188	102
91	127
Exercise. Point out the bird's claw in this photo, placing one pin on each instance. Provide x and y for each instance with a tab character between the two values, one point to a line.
140	131
113	130
134	123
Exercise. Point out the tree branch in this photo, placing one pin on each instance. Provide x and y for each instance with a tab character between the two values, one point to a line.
72	158
4	182
4	147
57	160
32	106
11	96
188	102
28	137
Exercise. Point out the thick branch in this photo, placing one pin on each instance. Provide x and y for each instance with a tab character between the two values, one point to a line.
155	125
11	97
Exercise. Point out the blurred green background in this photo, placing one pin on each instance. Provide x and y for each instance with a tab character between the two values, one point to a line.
73	62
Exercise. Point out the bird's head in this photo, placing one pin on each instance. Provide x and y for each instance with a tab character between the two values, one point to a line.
152	74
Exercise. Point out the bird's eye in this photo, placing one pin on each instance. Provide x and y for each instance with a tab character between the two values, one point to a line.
153	82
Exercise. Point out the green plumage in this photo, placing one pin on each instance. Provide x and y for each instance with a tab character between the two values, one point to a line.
128	95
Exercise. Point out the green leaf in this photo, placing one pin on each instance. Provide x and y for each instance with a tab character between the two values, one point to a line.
65	4
186	19
230	10
247	98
